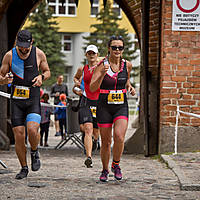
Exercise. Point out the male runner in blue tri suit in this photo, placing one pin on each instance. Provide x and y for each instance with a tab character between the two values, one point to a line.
25	61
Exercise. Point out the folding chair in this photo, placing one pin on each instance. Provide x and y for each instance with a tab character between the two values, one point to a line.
73	129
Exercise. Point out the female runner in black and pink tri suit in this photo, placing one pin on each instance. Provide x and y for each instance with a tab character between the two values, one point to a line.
113	78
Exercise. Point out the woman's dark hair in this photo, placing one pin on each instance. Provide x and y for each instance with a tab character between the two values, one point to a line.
114	37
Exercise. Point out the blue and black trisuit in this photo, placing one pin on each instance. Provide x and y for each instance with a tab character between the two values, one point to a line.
25	99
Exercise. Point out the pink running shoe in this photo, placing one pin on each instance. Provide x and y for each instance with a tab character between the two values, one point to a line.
117	172
104	175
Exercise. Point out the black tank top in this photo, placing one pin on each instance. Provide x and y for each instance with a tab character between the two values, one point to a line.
24	71
114	81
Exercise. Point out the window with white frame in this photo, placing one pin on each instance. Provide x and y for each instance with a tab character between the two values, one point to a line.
94	8
68	8
66	43
116	9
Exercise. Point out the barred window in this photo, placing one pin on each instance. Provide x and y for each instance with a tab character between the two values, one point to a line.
68	8
116	9
94	8
66	43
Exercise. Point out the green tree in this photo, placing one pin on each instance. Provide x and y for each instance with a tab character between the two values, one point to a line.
46	37
106	26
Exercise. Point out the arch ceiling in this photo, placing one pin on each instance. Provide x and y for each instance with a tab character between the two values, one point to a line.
13	14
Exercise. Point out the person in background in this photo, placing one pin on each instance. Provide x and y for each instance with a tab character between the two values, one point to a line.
46	112
56	90
112	77
25	61
61	112
87	110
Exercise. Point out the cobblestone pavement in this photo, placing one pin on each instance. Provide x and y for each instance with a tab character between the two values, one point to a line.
186	166
64	176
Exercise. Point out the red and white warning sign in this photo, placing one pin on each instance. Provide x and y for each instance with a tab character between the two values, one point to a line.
186	15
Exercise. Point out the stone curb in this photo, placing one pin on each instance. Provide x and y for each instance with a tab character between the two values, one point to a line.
185	183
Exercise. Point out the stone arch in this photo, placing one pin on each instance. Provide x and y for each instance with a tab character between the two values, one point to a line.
145	17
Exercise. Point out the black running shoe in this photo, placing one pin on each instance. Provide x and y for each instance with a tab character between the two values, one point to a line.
23	173
35	161
88	162
58	134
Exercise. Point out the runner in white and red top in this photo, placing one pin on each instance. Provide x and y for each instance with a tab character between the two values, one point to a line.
88	104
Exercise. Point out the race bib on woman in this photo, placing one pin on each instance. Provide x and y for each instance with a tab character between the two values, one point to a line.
116	97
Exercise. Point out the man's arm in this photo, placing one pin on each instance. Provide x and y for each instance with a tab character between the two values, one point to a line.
5	77
43	66
76	90
77	76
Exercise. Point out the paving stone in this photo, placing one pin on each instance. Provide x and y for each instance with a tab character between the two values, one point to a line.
63	175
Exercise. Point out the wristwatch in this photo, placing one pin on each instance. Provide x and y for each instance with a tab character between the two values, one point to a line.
42	76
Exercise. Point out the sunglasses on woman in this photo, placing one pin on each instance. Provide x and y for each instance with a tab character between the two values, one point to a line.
114	48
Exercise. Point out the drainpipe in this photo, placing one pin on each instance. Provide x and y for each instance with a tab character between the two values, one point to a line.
145	63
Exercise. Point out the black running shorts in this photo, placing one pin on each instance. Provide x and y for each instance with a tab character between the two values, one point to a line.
22	110
108	114
87	112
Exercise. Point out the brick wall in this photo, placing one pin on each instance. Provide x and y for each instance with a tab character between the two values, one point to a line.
179	83
180	72
174	69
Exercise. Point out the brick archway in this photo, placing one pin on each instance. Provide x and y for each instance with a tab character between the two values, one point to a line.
143	17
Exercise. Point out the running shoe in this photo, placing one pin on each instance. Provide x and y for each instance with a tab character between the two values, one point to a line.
104	175
58	134
35	161
117	172
88	162
23	173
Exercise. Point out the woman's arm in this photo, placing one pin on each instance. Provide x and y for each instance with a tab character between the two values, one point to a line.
98	76
129	87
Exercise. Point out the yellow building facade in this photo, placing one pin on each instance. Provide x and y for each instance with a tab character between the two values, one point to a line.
81	21
74	23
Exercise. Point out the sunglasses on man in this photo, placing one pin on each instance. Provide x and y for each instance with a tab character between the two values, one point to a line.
114	48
